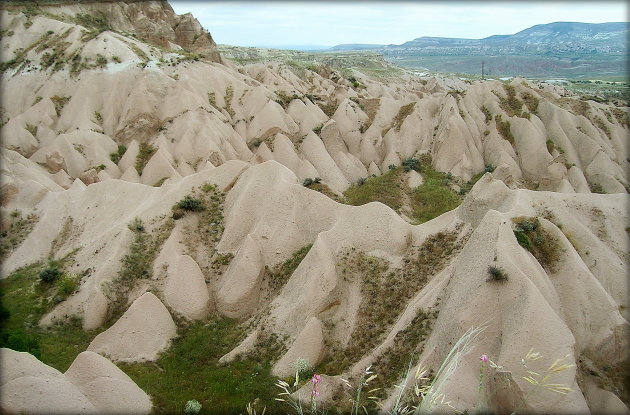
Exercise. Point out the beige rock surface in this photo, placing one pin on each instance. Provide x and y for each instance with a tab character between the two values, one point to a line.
185	289
309	345
135	338
108	388
29	385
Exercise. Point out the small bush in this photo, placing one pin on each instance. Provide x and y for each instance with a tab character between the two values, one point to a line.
489	168
411	164
144	155
191	204
318	129
496	274
361	181
50	274
308	181
392	167
486	113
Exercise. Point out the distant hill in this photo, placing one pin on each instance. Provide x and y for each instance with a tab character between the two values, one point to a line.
565	49
551	37
558	37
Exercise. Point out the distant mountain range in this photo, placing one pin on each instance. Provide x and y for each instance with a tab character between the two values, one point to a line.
560	49
558	37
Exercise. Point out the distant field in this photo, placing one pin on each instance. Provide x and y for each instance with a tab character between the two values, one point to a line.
607	67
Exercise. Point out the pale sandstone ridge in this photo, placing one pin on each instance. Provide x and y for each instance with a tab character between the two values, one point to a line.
186	290
134	337
309	345
92	385
152	21
108	388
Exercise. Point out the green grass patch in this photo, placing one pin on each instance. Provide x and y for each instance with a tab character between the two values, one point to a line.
24	301
143	157
434	196
386	188
426	202
118	154
190	370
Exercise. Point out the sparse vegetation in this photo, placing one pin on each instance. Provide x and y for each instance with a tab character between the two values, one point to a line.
137	264
531	102
116	156
504	129
543	246
385	292
407	344
144	155
59	103
596	188
17	230
276	277
486	113
599	123
403	113
328	108
229	94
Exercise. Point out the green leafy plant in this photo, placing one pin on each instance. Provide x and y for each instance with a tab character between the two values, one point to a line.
50	274
308	181
192	407
496	274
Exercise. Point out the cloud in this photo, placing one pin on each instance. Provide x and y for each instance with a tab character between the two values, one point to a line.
331	23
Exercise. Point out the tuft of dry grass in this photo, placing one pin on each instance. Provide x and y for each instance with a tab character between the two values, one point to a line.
403	113
543	246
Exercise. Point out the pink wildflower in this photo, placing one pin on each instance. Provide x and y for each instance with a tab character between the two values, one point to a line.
484	358
315	392
316	379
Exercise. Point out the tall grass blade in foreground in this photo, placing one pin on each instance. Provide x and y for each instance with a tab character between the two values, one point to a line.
434	395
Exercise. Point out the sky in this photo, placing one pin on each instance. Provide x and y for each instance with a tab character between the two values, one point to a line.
319	23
